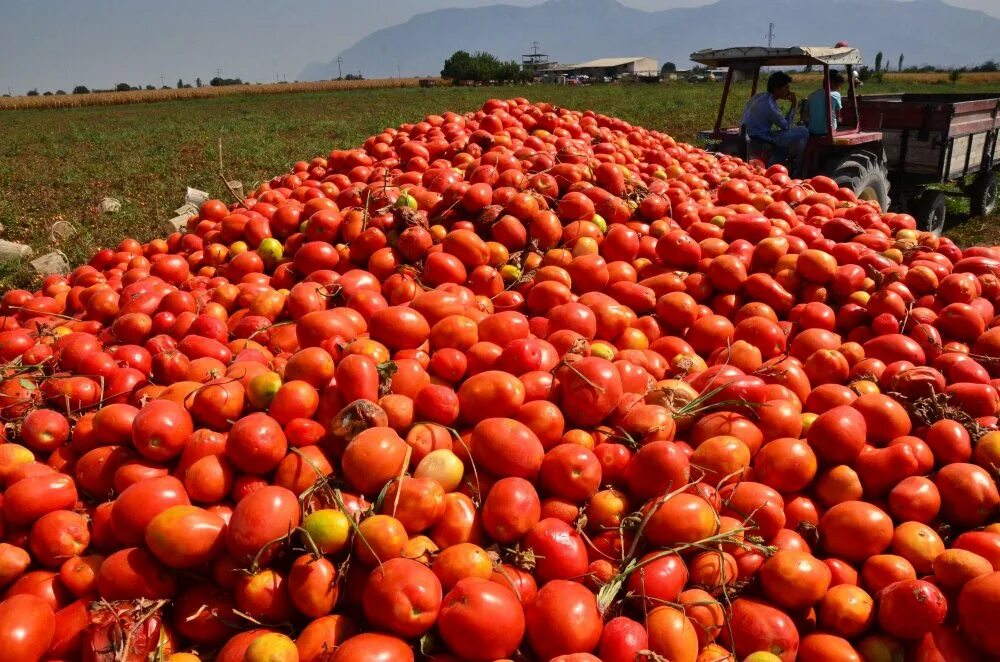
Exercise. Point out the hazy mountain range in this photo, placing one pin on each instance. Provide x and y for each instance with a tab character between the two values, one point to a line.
925	31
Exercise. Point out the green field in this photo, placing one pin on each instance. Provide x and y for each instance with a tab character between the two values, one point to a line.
59	163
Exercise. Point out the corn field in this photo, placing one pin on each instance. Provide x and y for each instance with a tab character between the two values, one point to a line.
148	96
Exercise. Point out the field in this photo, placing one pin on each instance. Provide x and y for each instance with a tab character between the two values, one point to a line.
186	93
58	163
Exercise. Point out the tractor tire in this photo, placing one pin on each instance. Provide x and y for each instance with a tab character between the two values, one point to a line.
983	194
865	173
930	210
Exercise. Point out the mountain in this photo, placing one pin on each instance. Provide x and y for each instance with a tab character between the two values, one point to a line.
925	31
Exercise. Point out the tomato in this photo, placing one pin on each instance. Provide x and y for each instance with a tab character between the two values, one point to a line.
681	518
969	496
504	447
855	530
656	468
794	579
758	504
511	509
481	620
29	499
622	639
563	619
185	536
261	518
757	626
559	550
671	634
373	647
27	627
256	444
954	568
590	389
373	458
312	585
134	573
911	608
403	597
321	636
138	504
659	579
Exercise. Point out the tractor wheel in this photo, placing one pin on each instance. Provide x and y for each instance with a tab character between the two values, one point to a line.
930	209
865	173
983	194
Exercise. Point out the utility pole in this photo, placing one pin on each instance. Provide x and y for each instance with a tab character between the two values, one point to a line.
397	72
162	83
218	73
340	73
770	34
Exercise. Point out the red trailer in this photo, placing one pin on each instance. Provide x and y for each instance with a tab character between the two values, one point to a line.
936	139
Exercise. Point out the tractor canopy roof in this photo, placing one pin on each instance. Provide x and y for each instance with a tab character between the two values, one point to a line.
750	57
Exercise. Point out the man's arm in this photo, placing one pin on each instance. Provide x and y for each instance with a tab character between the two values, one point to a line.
783	121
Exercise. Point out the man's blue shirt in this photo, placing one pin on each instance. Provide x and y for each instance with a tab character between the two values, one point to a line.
762	113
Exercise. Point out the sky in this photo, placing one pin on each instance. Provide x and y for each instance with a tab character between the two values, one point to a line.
58	44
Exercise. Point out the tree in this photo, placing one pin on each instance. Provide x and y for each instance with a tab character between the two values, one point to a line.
458	66
481	67
150	87
122	87
81	89
180	83
988	66
878	62
59	92
197	82
46	93
900	67
222	82
668	67
33	93
954	75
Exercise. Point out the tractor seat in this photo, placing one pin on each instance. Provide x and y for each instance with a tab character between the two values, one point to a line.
754	148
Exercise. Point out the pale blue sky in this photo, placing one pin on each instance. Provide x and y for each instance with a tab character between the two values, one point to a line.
53	44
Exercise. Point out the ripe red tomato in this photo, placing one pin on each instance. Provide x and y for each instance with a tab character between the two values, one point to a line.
481	620
27	627
563	619
403	597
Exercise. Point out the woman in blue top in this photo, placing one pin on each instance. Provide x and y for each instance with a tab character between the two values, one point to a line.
761	115
817	105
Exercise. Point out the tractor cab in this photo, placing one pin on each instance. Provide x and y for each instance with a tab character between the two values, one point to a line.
823	151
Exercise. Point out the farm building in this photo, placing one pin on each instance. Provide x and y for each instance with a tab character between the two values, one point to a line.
609	67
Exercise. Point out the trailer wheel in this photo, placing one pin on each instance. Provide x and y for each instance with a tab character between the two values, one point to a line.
930	210
983	194
865	173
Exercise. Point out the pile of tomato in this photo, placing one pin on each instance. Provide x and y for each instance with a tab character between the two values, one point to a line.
518	384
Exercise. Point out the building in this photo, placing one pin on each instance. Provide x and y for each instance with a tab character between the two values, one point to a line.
610	67
535	60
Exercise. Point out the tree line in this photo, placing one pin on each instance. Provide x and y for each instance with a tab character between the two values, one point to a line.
482	67
218	81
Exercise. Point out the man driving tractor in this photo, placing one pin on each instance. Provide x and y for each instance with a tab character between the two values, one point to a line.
762	114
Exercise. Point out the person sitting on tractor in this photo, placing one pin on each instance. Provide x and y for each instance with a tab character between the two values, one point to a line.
818	125
762	114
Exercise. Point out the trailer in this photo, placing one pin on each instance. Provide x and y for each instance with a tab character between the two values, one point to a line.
934	139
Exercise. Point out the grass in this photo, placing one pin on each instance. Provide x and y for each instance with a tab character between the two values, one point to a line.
206	92
59	163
